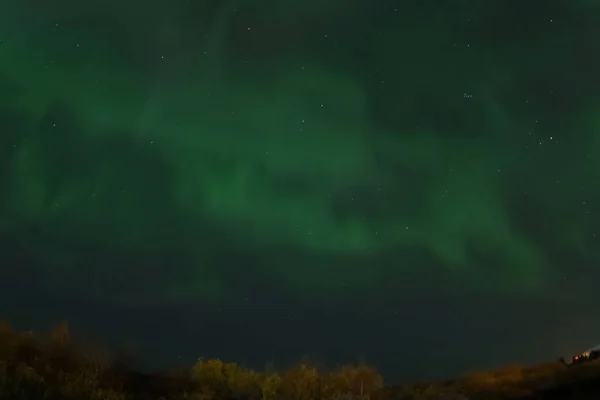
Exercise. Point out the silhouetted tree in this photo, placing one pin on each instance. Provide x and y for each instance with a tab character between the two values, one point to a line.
301	383
353	381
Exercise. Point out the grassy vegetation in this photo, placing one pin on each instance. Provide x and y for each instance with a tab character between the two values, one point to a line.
553	380
52	367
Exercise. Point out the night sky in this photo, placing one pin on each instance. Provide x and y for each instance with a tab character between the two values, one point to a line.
415	184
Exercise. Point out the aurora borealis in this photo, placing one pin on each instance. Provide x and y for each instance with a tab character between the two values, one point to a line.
300	166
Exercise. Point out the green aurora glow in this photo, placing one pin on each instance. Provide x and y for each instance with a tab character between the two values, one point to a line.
338	164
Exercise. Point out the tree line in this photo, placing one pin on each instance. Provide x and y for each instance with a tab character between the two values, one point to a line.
53	367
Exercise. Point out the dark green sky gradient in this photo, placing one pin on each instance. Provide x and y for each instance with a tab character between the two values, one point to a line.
367	153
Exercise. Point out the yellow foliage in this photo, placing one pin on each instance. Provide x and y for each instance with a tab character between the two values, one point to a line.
210	377
355	380
242	382
27	374
217	380
208	371
106	394
78	384
300	383
271	387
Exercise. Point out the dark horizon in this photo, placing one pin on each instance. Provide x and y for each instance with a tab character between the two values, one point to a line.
162	337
